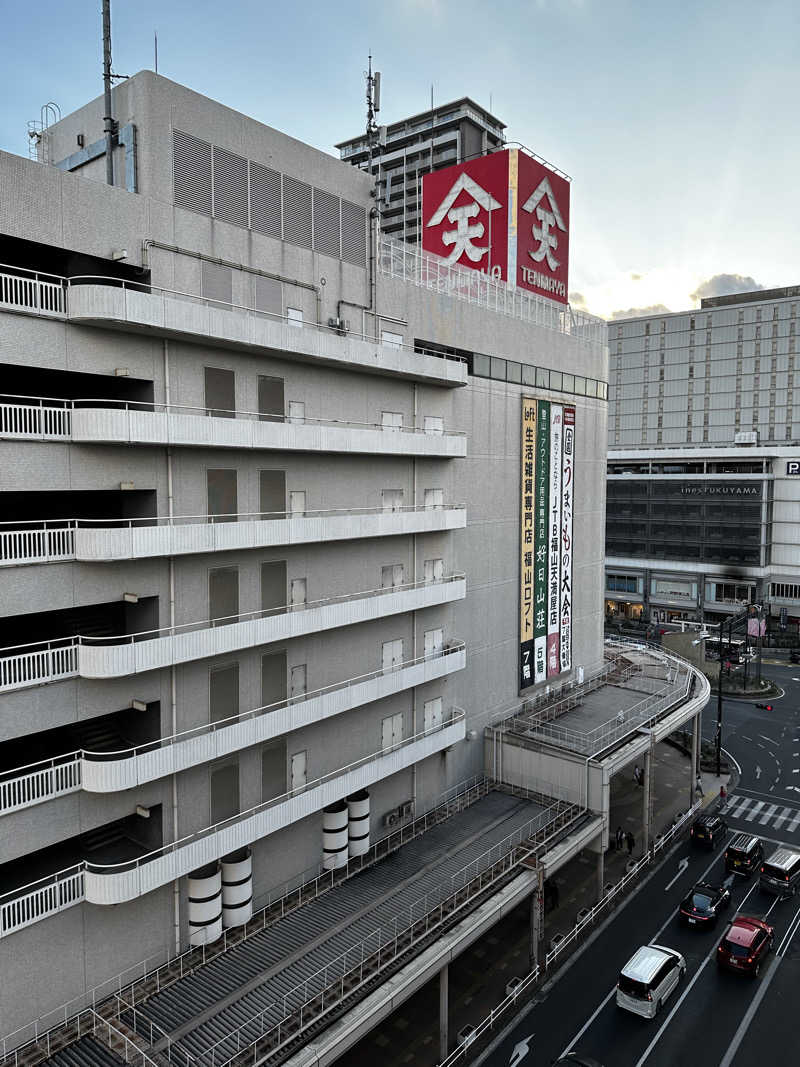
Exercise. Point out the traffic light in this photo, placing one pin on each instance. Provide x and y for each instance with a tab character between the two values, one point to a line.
764	707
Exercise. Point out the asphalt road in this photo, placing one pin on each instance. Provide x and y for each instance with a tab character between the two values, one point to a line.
713	1017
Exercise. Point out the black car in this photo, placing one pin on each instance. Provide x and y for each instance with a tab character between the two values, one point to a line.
707	830
794	655
701	907
744	854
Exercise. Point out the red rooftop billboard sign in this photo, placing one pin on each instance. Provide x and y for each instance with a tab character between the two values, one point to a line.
506	215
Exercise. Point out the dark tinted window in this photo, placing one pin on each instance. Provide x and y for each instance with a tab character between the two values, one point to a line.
701	901
774	872
632	988
736	950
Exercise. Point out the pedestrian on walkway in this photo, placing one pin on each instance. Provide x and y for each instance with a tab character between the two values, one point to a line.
620	838
630	841
637	774
698	788
722	792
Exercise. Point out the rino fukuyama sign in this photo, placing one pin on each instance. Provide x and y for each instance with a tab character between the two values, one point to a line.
506	215
546	509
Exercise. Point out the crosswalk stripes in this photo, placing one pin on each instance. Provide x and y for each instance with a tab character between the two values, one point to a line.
750	810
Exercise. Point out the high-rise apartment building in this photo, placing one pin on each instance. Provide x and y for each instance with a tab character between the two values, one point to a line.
703	475
406	150
260	549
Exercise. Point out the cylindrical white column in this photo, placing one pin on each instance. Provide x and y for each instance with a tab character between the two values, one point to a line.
358	823
334	835
237	888
205	905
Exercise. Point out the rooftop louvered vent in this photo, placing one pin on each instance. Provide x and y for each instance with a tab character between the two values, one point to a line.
217	183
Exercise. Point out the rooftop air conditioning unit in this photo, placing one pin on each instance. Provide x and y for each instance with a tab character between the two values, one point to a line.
341	326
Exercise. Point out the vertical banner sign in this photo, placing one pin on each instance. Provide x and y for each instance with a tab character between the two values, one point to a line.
526	542
542	486
567	501
554	542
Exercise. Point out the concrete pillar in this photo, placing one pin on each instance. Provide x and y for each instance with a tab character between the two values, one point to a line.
444	1037
646	828
601	868
535	926
695	758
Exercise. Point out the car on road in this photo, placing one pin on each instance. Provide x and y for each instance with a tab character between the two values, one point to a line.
794	655
707	830
744	854
745	945
780	874
648	978
702	906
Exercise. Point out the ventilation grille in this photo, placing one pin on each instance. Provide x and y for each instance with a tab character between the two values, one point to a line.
326	223
217	183
191	170
230	188
354	233
265	201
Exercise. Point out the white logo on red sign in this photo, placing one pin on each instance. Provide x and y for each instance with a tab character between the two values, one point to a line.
462	237
548	241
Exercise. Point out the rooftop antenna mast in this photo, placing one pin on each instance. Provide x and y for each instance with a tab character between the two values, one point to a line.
373	107
109	125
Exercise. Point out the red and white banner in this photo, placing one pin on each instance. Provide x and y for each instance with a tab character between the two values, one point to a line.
506	215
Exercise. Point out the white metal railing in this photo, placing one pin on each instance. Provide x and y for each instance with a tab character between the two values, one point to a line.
122	654
56	540
44	661
315	995
27	290
26	786
412	264
116	882
155	306
124	769
37	542
29	904
157	971
35	418
585	923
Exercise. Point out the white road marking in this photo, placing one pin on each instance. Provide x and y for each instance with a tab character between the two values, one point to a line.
793	823
757	808
765	738
781	819
768	814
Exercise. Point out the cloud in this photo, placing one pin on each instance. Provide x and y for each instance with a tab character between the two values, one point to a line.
725	285
641	313
636	277
578	300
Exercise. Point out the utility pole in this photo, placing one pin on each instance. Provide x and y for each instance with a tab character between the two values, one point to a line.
108	118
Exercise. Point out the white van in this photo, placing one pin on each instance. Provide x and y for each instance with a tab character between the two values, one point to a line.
648	978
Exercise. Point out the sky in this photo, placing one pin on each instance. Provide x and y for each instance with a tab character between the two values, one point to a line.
677	121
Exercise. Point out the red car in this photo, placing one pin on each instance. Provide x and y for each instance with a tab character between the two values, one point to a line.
745	945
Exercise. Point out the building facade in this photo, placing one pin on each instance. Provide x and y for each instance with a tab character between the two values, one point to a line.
704	436
406	150
259	573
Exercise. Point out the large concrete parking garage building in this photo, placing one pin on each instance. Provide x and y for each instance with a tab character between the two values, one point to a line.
262	482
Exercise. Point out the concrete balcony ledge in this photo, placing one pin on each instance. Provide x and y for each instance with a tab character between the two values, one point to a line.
110	771
133	306
189	427
100	541
118	883
116	657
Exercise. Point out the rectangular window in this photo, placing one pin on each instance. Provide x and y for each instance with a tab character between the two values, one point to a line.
433	424
272	494
220	393
528	374
432	714
273	587
542	378
224	791
392	576
273	770
555	379
391	655
481	366
391	340
498	368
221	490
270	399
513	371
434	499
433	570
223	595
392	421
273	678
223	693
294	317
391	731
